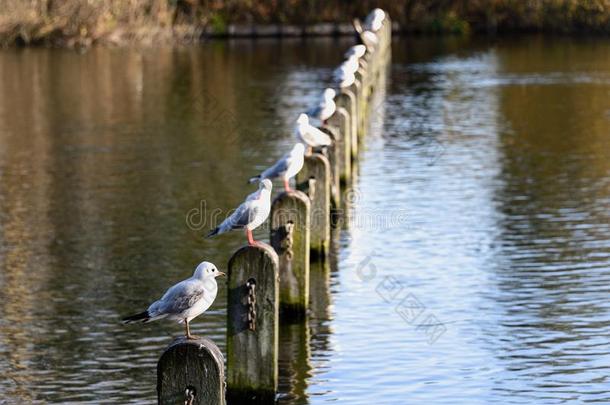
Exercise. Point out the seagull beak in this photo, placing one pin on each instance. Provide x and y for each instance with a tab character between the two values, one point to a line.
220	273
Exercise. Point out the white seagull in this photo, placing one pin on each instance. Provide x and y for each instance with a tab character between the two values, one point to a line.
374	21
184	301
287	166
250	214
344	74
369	39
326	106
357	50
310	135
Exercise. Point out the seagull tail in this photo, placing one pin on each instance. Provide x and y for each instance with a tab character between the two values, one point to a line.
141	317
254	179
213	232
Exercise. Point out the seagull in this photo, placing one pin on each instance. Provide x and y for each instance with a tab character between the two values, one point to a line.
184	301
374	21
310	135
357	50
250	214
287	167
326	107
344	74
369	39
343	78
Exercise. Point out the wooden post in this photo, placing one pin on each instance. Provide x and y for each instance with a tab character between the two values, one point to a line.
314	180
290	230
361	102
341	120
191	368
320	299
351	108
331	154
252	325
353	90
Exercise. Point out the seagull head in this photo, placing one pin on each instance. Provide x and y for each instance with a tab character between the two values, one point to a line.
329	94
303	119
265	185
207	270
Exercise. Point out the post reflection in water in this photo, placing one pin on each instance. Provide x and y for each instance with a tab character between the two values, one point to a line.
495	154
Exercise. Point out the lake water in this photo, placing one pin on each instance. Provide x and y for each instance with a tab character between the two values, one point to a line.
474	265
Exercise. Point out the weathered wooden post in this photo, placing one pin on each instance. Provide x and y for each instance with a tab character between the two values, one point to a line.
355	90
341	120
331	154
290	230
351	108
362	102
314	180
191	371
320	299
252	325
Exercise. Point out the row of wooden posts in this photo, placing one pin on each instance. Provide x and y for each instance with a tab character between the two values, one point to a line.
270	284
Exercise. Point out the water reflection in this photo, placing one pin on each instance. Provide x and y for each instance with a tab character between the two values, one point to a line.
497	151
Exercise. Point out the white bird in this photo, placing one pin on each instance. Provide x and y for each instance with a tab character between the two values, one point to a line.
326	106
369	39
184	301
310	135
343	78
287	166
374	21
357	50
351	63
344	74
250	214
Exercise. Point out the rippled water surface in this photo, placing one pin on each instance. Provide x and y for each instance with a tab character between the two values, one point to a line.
474	264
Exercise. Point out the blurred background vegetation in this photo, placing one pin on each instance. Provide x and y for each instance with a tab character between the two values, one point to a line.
74	22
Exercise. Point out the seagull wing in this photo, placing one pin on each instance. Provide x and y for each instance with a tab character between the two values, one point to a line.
319	138
242	216
178	298
278	169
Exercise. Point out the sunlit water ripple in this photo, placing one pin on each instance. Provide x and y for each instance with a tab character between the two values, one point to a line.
475	266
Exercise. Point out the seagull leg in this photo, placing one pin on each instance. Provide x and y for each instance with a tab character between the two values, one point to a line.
287	185
251	240
188	330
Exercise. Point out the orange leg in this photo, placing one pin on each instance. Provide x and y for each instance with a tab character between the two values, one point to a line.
251	240
287	185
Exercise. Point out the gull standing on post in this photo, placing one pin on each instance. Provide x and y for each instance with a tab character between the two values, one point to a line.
287	167
365	35
356	50
310	135
359	51
184	301
326	106
374	21
369	39
344	74
250	214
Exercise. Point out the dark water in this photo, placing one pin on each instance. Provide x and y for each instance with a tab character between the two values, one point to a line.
475	265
